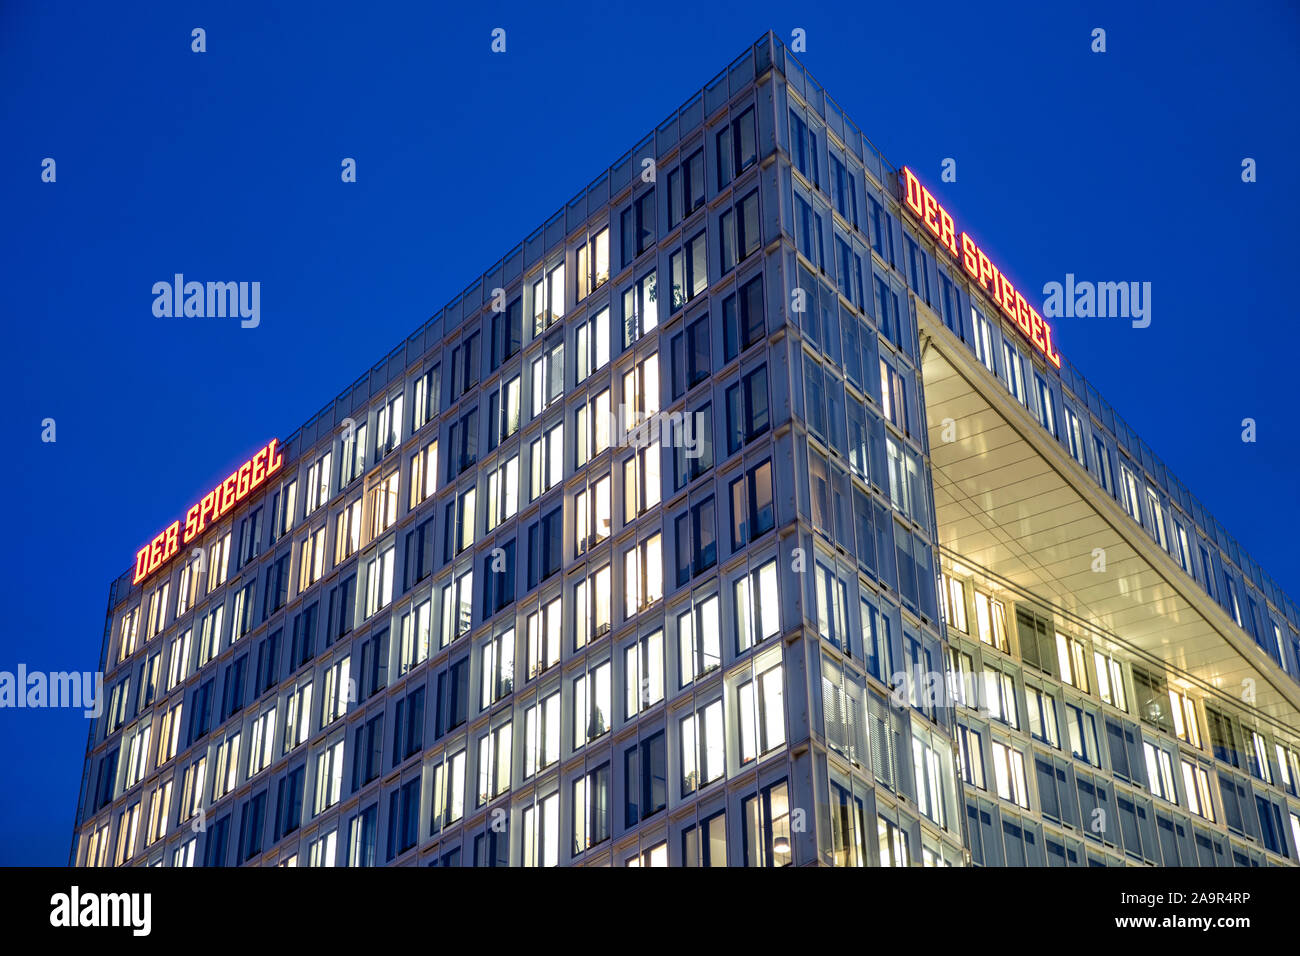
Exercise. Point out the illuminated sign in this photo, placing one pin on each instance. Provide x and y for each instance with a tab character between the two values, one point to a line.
216	504
922	204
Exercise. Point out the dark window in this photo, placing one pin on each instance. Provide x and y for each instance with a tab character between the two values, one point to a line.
747	413
742	318
645	776
690	356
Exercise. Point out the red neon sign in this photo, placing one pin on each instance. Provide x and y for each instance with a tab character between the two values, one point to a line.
216	504
922	204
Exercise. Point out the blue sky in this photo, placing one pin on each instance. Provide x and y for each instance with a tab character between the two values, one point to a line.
225	165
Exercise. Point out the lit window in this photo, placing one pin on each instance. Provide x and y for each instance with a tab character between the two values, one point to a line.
1009	774
760	708
541	735
703	746
643	569
643	672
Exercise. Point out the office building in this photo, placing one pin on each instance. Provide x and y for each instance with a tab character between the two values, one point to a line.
826	556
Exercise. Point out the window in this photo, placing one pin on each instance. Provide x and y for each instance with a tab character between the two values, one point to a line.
499	578
692	444
1160	771
1011	363
747	412
760	710
803	148
970	745
1257	756
641	481
368	751
1009	774
703	748
643	674
991	622
640	309
416	629
983	340
739	232
737	147
699	640
506	329
218	566
756	606
428	395
362	831
637	224
1129	498
688	271
462	444
691	363
592	704
503	401
1110	681
697	540
379	581
954	604
686	188
832	602
1184	714
591	345
457	607
497	659
342	609
297	716
640	396
503	492
1074	436
1152	699
1081	726
311	559
465	365
893	842
318	483
933	778
261	749
1046	410
458	524
383	504
329	777
592	598
705	843
643	575
547	379
493	763
591	799
592	513
408	726
347	532
542	832
545	547
1072	658
1042	715
645	776
543	636
541	735
449	791
388	427
743	323
766	827
1196	784
807	230
1000	697
593	263
546	461
844	191
591	437
752	513
225	767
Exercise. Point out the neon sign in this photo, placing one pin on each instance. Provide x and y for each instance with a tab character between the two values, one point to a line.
214	506
922	204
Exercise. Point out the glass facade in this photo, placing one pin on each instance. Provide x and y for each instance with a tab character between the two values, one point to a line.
579	575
